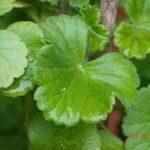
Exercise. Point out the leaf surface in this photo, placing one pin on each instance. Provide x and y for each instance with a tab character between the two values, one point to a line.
137	123
13	61
47	136
32	36
138	10
71	88
5	6
114	142
132	37
98	35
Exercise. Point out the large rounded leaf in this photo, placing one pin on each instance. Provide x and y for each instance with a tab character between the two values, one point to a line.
72	89
13	59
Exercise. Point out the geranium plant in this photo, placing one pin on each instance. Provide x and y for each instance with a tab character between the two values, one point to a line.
66	66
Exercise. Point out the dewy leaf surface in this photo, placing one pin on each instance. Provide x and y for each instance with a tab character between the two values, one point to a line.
5	6
110	142
72	89
48	136
137	123
133	37
32	36
13	61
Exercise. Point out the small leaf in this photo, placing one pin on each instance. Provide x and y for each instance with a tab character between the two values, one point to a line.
13	61
114	142
98	38
5	6
72	89
98	35
47	136
91	15
137	123
78	3
133	38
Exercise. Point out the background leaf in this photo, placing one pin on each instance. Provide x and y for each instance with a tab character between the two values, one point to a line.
5	6
13	61
98	35
138	10
132	37
133	40
47	136
114	142
32	36
137	123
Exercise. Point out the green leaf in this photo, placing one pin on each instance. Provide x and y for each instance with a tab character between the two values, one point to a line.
114	142
138	10
98	38
78	3
137	123
91	15
98	35
20	86
133	38
13	59
47	136
72	89
5	6
32	36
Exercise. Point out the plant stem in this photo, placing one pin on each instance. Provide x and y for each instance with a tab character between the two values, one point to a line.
109	11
